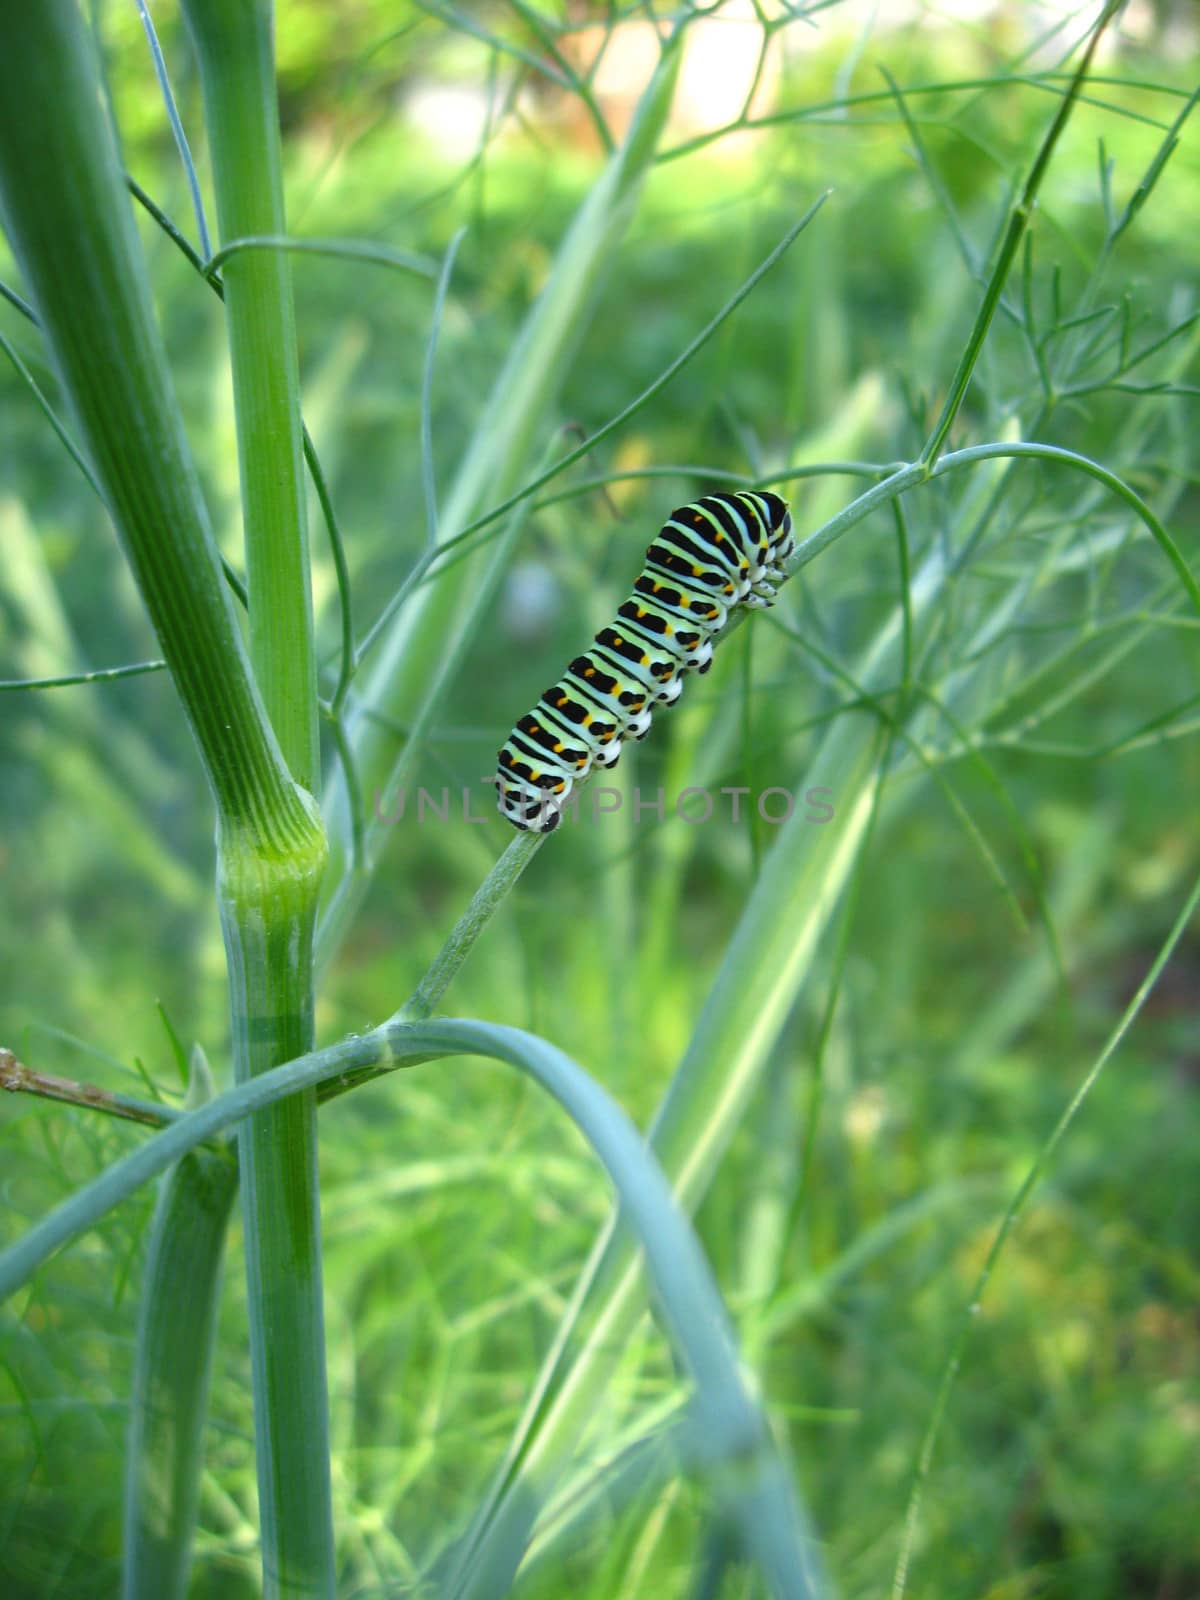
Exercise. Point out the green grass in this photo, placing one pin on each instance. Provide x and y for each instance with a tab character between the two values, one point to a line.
936	992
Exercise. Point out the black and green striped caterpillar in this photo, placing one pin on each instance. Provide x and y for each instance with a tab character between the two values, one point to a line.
711	559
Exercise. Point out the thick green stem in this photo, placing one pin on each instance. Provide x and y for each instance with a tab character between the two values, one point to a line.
235	48
68	219
267	917
267	908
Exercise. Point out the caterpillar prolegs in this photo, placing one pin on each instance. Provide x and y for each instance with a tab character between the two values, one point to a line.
711	559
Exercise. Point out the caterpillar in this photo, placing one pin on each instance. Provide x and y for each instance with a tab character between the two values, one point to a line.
710	560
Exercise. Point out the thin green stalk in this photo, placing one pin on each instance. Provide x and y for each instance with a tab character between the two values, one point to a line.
268	919
341	566
47	410
381	255
837	967
1018	221
15	300
830	110
580	86
177	130
341	743
1091	469
428	470
485	902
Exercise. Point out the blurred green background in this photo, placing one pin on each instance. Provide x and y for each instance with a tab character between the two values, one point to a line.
457	1205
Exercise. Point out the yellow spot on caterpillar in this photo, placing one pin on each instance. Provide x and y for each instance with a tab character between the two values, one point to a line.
589	672
641	613
645	661
558	749
668	628
587	720
696	571
561	701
